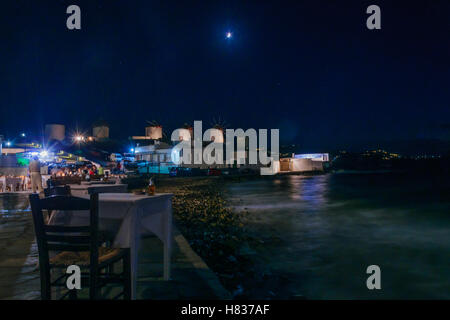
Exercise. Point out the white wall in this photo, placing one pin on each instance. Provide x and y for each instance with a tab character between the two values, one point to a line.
55	132
153	132
12	150
100	132
302	165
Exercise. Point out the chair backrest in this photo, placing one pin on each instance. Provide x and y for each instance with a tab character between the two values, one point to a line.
57	191
65	238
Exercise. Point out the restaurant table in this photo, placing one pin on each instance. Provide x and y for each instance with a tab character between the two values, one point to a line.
130	217
83	189
13	182
3	184
45	178
99	182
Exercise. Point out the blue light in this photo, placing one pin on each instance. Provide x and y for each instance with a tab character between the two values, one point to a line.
132	150
23	134
315	156
229	35
8	143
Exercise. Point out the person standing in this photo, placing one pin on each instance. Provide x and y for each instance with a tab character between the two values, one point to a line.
35	174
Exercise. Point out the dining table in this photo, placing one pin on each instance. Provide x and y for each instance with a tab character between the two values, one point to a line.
45	178
84	189
13	183
2	184
129	217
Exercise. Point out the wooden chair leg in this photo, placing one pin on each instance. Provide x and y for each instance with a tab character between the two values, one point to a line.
56	291
93	286
73	295
45	285
127	276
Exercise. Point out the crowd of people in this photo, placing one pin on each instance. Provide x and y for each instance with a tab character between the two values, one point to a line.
14	183
88	169
33	180
36	178
82	171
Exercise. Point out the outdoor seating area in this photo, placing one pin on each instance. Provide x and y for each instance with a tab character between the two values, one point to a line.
64	180
97	226
23	183
18	183
79	246
11	183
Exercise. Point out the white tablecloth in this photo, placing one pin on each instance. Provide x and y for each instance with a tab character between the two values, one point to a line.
12	183
45	177
2	184
98	182
78	190
130	216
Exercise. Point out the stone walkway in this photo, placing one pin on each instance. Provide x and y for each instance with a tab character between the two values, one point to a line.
19	277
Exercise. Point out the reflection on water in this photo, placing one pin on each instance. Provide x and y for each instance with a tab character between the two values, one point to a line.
12	205
333	226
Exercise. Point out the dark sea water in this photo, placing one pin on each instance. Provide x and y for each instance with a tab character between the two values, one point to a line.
333	226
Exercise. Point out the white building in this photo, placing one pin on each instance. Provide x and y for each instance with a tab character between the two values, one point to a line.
304	162
55	132
154	132
158	156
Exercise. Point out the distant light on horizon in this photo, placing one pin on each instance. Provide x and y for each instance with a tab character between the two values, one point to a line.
8	143
23	134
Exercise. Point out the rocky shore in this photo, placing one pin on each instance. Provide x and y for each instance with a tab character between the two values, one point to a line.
222	238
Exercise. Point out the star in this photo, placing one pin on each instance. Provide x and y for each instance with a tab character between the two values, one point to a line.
229	35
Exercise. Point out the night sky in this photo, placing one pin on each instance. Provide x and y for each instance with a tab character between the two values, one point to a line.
310	68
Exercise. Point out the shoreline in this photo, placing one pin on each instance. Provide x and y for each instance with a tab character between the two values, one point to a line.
220	236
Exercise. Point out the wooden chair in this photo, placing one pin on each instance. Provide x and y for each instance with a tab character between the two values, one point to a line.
77	245
57	191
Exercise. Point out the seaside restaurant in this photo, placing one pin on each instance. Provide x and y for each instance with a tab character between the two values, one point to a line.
14	162
97	228
88	235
